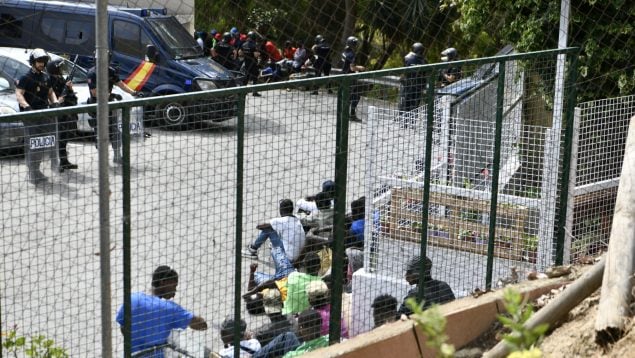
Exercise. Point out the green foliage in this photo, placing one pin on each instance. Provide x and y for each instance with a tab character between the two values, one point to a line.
36	346
432	323
520	338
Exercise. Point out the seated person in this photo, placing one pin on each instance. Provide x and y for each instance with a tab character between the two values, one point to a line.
355	237
322	217
355	258
297	299
308	205
384	309
256	288
309	327
319	296
248	345
285	231
278	324
154	315
434	291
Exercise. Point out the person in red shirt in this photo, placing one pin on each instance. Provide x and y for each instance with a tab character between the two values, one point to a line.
289	50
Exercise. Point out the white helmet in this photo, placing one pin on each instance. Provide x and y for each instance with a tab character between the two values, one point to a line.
37	54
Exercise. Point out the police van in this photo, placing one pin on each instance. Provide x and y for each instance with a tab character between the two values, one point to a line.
154	53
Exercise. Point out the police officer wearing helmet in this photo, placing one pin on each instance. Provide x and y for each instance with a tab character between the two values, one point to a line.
66	124
33	92
349	66
113	128
223	52
249	52
412	83
452	73
322	63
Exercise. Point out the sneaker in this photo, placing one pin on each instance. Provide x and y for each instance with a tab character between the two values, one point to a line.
354	118
250	252
314	92
256	94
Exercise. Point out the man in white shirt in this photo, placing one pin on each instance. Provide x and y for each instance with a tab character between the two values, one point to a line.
285	231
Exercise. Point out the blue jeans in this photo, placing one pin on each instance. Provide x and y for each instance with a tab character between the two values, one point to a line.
282	264
265	234
279	346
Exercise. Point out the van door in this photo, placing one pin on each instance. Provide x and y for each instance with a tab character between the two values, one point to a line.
129	43
17	25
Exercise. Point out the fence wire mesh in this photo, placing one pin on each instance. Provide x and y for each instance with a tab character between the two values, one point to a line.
205	172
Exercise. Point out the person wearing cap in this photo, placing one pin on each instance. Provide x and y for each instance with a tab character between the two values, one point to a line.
248	345
34	91
384	309
319	296
284	232
155	315
308	205
434	291
272	303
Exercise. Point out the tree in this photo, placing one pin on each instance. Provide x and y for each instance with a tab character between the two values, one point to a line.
602	29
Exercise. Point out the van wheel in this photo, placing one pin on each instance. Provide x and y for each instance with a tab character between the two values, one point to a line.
173	115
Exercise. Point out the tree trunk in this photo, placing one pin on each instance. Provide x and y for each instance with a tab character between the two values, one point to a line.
385	56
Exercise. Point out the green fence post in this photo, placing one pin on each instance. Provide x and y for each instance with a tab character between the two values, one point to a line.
240	149
572	77
498	133
430	96
341	162
127	286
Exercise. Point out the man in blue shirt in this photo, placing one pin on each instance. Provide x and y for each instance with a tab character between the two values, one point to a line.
356	232
155	316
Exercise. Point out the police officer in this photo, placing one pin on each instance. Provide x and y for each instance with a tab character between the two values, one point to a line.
349	66
34	91
412	83
66	124
249	52
223	52
113	80
452	73
322	64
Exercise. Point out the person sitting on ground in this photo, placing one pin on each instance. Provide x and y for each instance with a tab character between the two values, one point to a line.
297	299
154	315
285	231
355	237
309	332
434	291
319	296
308	205
323	216
248	345
384	309
279	324
355	258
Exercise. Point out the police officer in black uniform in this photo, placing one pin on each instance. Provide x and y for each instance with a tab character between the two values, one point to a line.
452	73
322	51
412	83
349	66
66	124
223	52
113	128
34	91
250	53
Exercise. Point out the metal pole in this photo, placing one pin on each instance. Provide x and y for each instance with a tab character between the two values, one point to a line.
240	148
341	157
498	133
101	39
127	255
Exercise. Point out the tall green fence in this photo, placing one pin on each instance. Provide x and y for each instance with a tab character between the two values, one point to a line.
472	176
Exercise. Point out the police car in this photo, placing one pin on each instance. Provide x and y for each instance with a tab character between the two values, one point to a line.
14	62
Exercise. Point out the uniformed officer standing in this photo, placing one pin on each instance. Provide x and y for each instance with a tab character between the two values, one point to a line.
412	83
223	52
66	124
113	128
249	52
453	73
349	66
322	64
34	91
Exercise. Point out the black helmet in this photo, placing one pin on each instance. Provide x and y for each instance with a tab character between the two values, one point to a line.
37	54
252	35
227	36
352	41
417	48
54	67
449	54
319	39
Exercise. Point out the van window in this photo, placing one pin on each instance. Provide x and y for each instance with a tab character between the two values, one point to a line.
10	26
78	32
129	39
53	28
68	32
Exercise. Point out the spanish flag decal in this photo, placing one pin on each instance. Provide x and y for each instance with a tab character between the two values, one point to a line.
140	75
